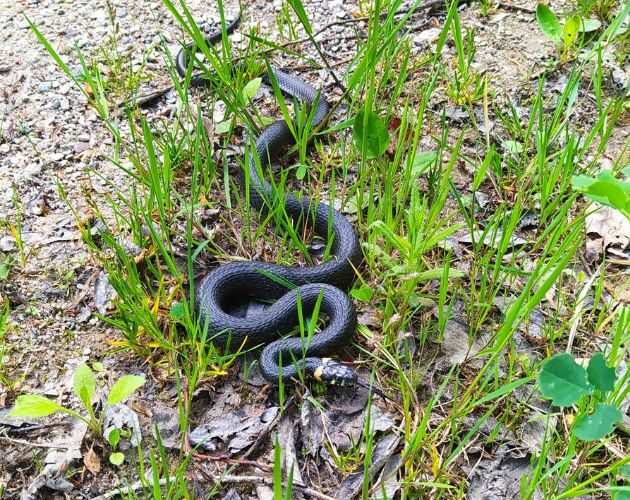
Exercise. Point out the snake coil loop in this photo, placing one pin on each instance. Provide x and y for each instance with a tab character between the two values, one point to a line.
230	283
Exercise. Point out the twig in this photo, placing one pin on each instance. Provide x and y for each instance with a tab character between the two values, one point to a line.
36	445
133	487
269	482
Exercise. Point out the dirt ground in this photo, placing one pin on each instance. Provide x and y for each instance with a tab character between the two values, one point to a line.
50	140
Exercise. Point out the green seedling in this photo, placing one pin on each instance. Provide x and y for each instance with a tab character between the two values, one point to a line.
568	383
563	35
116	457
84	384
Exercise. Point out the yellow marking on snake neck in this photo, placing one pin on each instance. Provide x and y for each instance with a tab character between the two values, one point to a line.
326	360
317	374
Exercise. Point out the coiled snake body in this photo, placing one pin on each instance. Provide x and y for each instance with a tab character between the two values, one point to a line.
230	283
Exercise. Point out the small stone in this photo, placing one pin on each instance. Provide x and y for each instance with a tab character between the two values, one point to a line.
7	244
45	87
37	210
79	147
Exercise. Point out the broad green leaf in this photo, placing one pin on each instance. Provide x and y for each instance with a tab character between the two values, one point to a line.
124	388
370	134
600	423
513	147
177	310
33	406
570	31
301	13
600	374
300	173
223	127
250	89
116	458
563	381
355	205
114	437
84	385
364	293
549	24
605	189
588	25
422	161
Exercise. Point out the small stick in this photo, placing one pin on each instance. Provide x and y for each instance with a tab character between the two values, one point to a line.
269	482
34	445
133	487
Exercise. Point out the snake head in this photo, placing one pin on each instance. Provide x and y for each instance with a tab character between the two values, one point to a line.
334	373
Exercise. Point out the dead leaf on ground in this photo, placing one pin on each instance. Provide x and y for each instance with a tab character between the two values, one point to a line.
235	431
499	478
92	462
456	347
166	419
607	230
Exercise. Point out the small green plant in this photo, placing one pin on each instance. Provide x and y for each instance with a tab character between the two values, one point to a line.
467	85
116	457
606	189
563	36
568	383
84	384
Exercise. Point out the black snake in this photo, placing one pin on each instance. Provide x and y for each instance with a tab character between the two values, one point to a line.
231	283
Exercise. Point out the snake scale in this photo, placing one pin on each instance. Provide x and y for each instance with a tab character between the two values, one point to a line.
234	282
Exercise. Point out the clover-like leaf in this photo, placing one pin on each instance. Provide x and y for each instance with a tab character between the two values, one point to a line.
125	386
600	423
364	293
34	406
177	310
600	374
117	458
84	385
548	22
370	134
563	381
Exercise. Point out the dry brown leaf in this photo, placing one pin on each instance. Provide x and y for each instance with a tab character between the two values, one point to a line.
607	229
92	462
